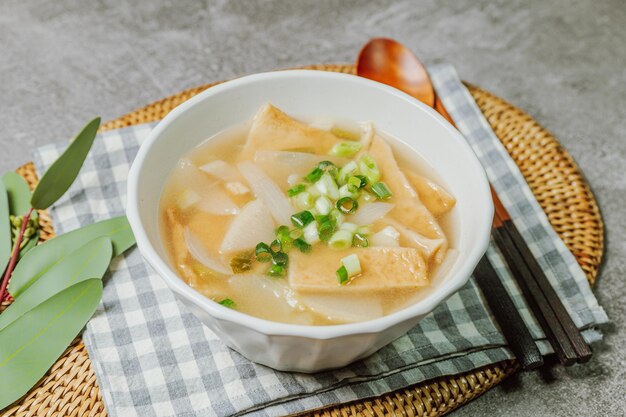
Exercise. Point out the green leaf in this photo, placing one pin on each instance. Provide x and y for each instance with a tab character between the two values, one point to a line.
62	173
89	261
41	258
19	203
18	192
33	342
5	230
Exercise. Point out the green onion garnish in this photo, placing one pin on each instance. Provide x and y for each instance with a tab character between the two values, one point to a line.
381	191
296	189
347	205
304	200
360	241
350	227
314	175
358	181
326	165
276	246
327	186
227	302
323	205
302	245
341	239
352	265
336	216
348	190
364	230
296	233
282	234
241	262
326	230
302	218
263	252
345	149
276	271
280	258
347	171
369	168
342	275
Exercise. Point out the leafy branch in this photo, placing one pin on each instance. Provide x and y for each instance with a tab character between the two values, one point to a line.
57	285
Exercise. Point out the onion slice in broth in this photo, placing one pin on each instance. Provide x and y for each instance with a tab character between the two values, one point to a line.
267	190
197	251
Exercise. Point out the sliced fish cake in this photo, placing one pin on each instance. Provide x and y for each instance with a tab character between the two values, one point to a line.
383	268
273	130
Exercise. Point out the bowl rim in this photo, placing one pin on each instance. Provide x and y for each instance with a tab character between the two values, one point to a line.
317	332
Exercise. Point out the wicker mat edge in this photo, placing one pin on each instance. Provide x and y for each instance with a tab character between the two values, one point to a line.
70	387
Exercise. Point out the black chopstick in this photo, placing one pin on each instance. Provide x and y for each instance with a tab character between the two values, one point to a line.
583	351
547	307
511	324
536	300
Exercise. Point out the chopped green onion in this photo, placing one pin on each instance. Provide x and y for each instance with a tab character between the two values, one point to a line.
304	200
280	258
314	175
336	216
347	171
342	239
263	252
364	230
348	190
302	218
345	133
326	230
381	191
330	168
282	234
367	197
241	262
295	233
347	205
227	302
360	241
276	271
345	149
296	189
327	186
350	227
276	246
358	181
342	275
352	264
323	205
282	231
326	165
311	233
369	168
302	245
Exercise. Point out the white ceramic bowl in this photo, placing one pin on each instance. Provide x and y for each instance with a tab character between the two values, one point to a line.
314	93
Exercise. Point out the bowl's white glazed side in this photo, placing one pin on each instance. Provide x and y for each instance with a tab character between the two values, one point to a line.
320	94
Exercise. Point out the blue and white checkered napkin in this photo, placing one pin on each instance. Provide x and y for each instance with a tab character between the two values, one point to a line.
154	358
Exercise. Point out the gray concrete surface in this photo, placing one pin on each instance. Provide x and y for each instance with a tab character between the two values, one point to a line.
64	61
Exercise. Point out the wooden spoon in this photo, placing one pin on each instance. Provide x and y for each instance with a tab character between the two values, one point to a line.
389	62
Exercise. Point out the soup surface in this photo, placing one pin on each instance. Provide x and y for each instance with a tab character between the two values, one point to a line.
306	223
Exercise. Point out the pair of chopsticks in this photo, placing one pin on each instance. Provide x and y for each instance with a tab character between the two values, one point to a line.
560	330
558	326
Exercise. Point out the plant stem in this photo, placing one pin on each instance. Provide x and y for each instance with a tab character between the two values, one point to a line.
14	256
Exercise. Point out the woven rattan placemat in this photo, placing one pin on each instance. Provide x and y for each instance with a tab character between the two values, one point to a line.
70	388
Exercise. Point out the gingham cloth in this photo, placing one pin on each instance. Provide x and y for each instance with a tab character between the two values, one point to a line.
154	358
